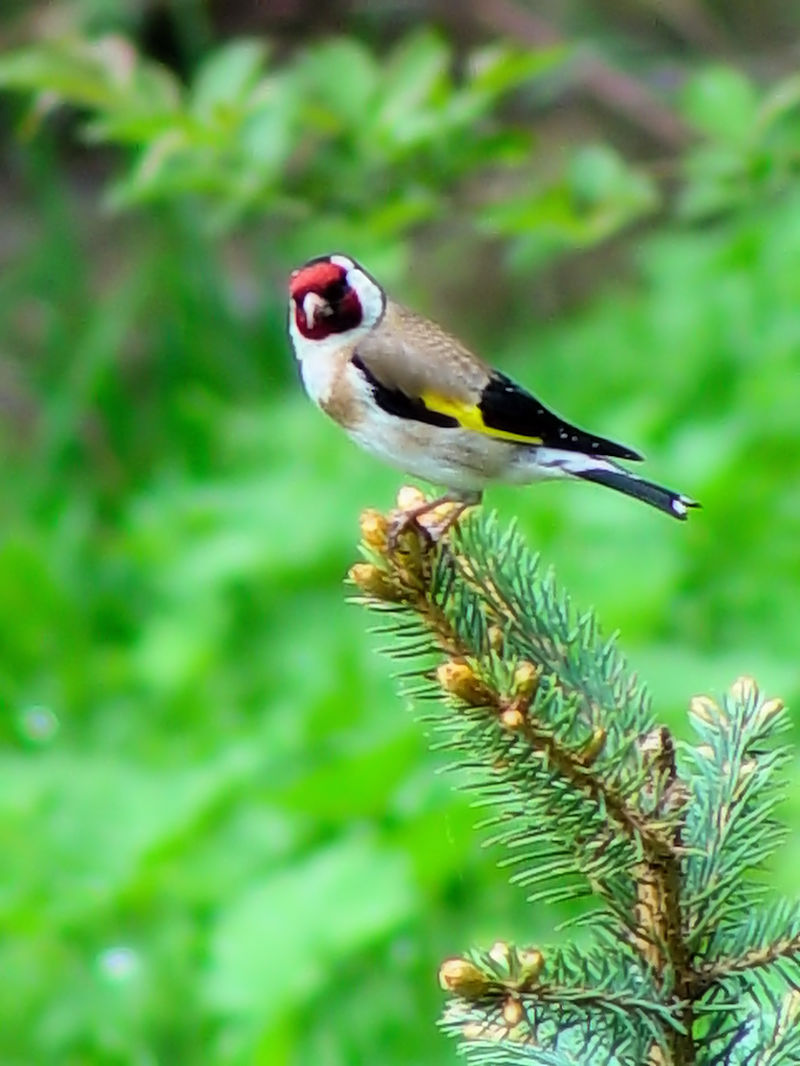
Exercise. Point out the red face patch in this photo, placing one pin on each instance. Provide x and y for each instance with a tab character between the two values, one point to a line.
338	309
315	277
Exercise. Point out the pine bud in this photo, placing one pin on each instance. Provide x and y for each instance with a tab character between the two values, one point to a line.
458	678
526	680
704	709
513	1012
593	746
463	978
494	635
374	529
768	710
410	497
374	581
656	1056
512	719
790	1010
500	953
744	689
530	963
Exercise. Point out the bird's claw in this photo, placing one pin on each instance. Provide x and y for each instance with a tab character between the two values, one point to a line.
404	522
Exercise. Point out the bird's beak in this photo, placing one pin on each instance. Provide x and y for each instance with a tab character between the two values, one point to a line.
313	305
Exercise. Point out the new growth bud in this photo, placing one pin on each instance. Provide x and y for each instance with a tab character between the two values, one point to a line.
744	689
593	746
530	963
513	1012
374	581
526	680
708	712
768	710
789	1014
500	954
704	709
512	719
374	530
463	978
459	679
494	635
410	497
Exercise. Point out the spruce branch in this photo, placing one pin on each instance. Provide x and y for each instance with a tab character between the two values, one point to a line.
767	1034
768	937
501	996
685	963
731	825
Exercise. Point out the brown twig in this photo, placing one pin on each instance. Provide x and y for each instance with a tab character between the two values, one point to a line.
694	22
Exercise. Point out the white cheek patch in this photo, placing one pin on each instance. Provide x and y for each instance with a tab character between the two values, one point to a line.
370	295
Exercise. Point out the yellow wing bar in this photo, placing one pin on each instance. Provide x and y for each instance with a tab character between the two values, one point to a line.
469	416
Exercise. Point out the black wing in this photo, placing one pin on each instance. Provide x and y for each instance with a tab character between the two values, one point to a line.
507	408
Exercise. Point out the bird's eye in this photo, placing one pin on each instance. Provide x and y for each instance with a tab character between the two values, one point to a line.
336	291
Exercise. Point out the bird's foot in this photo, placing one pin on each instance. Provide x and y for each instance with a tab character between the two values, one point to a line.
429	519
403	522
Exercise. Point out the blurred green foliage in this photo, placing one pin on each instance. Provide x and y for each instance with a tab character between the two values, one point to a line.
336	136
751	146
224	841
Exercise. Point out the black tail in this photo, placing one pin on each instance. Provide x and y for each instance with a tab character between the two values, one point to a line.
674	503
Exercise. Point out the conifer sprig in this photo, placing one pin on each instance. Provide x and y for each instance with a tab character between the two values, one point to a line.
731	825
687	963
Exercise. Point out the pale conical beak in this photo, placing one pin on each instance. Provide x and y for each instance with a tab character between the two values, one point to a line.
313	306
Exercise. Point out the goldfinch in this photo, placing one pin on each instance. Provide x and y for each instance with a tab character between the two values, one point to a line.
414	396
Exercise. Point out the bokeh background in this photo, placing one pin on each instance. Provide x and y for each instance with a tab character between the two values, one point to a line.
223	837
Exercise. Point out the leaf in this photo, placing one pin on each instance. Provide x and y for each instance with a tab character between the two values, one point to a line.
497	68
341	76
598	196
598	175
73	74
227	76
780	101
105	74
267	132
716	181
416	69
722	103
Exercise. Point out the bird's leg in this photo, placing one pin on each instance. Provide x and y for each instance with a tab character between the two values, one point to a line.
404	520
462	504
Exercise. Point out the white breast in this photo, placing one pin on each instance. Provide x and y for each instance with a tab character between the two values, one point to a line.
317	362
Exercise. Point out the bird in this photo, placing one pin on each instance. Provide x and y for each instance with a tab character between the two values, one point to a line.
414	396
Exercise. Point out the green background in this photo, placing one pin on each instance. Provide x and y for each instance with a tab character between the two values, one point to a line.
223	837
